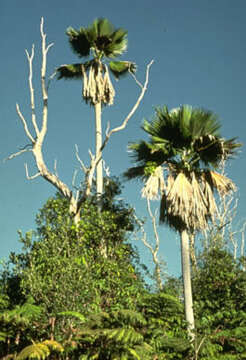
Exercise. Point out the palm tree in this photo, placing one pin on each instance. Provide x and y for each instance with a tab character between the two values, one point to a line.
100	41
179	162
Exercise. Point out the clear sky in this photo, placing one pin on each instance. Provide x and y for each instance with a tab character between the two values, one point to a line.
199	51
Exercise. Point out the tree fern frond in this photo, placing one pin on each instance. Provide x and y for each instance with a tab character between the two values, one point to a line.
129	317
3	336
134	354
75	314
21	314
39	351
124	335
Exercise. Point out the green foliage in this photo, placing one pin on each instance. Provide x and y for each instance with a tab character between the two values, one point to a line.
21	315
120	68
99	308
18	325
40	351
113	335
100	38
101	41
155	329
185	137
219	288
61	266
64	269
166	328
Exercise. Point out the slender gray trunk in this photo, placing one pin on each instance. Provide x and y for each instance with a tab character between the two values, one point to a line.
186	274
193	252
99	167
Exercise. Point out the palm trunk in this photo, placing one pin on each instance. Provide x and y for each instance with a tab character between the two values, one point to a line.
99	168
193	252
186	274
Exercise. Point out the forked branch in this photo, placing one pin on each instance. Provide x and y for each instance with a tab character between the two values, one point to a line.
39	134
154	249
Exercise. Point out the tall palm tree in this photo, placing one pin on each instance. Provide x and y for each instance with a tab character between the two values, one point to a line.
101	42
179	162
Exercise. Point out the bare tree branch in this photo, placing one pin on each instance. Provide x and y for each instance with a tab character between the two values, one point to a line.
33	176
37	143
24	124
154	249
83	167
30	61
25	149
134	108
223	227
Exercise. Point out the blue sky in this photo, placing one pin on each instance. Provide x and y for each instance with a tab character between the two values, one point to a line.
199	51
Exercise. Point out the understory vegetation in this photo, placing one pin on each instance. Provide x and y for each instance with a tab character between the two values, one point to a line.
62	299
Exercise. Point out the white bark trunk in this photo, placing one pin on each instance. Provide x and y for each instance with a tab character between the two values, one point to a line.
99	167
186	274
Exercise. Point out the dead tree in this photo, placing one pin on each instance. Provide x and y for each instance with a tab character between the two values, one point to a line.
153	248
223	229
36	136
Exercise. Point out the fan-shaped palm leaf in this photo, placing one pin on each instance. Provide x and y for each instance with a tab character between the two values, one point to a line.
79	41
102	41
121	68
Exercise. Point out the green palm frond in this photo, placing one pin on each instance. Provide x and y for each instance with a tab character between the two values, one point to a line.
134	172
209	150
68	72
144	152
101	37
231	147
72	71
101	27
40	351
203	122
121	68
79	42
166	129
119	43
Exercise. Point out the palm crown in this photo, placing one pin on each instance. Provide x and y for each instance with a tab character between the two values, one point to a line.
102	42
187	145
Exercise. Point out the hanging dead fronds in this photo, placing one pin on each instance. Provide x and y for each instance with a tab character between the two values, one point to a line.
179	198
209	196
97	86
154	184
188	201
220	182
